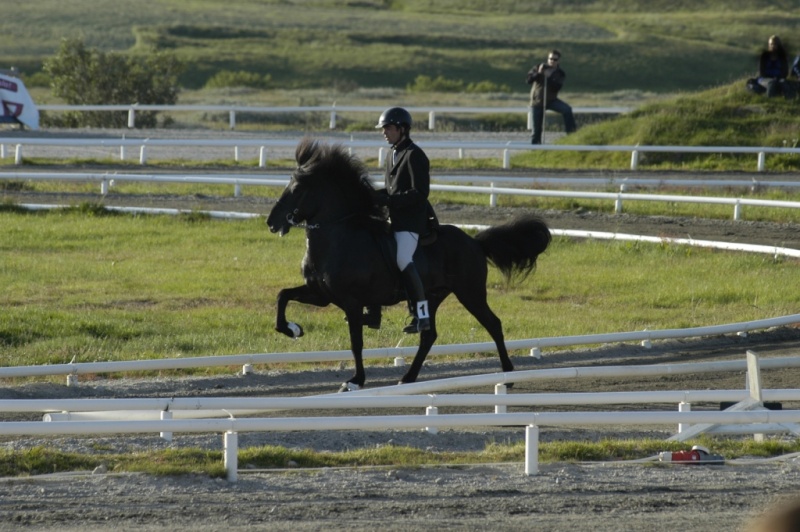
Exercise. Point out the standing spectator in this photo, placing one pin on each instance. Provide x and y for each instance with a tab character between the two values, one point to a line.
773	69
547	79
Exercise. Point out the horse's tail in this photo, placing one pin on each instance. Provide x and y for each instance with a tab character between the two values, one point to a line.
513	247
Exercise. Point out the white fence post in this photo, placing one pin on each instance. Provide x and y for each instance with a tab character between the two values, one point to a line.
432	411
381	157
18	155
262	157
166	414
754	383
131	118
634	159
143	155
684	407
500	389
531	450
232	119
762	161
737	210
231	443
432	120
506	159
332	124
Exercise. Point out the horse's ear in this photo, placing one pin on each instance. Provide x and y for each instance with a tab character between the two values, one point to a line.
305	151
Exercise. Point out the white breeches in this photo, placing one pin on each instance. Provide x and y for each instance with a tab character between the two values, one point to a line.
406	246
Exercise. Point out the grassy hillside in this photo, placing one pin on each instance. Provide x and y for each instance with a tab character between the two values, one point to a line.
607	45
727	115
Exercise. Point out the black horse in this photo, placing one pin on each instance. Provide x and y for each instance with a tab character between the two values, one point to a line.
348	261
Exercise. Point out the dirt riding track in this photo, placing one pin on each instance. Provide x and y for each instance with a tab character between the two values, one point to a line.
562	497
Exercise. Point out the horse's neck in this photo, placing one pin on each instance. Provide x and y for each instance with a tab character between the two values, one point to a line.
335	240
320	241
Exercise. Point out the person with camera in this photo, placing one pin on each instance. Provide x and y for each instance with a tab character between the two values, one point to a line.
547	79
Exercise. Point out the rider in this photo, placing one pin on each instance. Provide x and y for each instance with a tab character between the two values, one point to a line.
407	180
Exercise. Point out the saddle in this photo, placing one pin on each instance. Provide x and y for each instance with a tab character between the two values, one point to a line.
429	237
388	245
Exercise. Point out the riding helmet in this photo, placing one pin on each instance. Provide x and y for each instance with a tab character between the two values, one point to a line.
394	115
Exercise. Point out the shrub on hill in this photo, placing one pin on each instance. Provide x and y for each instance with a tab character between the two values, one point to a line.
82	76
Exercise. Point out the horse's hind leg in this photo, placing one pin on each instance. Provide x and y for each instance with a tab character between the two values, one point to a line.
354	325
477	305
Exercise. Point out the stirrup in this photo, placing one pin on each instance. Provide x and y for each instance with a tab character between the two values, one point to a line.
412	327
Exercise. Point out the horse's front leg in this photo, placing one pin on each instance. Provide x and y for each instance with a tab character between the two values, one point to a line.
426	340
354	324
302	294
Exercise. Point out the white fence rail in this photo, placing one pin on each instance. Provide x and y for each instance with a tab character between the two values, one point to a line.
750	410
534	345
204	407
245	177
379	147
620	197
330	110
532	421
107	180
759	420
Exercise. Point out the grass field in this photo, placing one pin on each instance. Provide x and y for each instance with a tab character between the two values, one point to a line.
122	287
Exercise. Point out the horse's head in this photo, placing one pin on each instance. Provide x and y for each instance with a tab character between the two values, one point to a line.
328	186
286	211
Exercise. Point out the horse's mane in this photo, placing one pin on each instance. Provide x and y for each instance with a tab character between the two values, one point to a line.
318	160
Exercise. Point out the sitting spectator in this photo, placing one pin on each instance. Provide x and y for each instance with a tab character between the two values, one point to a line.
773	69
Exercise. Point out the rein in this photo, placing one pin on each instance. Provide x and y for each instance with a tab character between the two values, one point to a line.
308	227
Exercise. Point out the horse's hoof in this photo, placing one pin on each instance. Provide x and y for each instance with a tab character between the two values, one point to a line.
295	329
349	387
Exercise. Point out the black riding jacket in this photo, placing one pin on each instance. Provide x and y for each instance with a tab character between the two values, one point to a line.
408	183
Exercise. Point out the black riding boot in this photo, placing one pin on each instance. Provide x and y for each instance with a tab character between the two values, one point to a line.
416	299
411	328
372	317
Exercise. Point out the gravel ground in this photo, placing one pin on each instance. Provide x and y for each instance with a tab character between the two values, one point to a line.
563	496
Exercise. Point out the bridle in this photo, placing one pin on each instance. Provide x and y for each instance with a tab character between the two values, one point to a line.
308	226
290	217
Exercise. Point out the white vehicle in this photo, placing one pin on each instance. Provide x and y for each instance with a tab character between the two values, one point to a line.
17	106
